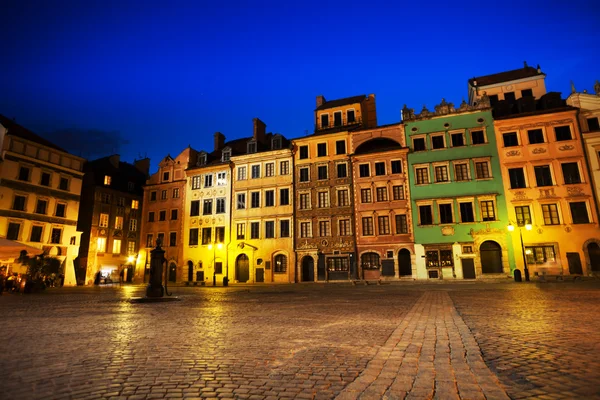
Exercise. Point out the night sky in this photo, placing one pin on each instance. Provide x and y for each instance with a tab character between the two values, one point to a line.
147	80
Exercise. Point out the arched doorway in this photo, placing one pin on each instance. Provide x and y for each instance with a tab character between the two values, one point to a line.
594	254
190	271
308	269
242	268
172	272
404	263
491	257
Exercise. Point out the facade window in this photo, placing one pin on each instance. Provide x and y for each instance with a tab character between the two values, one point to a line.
461	172
324	120
221	178
276	143
304	201
254	230
305	230
105	198
269	169
344	227
419	144
174	215
284	168
304	175
571	173
401	224
367	226
303	152
206	235
323	198
149	239
45	179
153	196
593	124
269	198
441	173
163	195
121	202
382	194
437	142
219	234
458	139
338	264
193	237
255	199
324	228
540	254
321	149
201	159
55	235
196	181
130	247
284	228
365	195
208	180
322	172
510	139
241	175
40	207
241	231
162	215
350	117
550	213
563	133
517	178
165	176
398	192
526	93
101	245
379	168
103	223
396	167
425	215
207	207
280	263
24	174
255	171
342	170
251	147
340	146
543	177
116	247
482	170
523	215
579	212
19	203
241	201
343	199
132	225
151	216
466	212
63	184
195	208
337	118
383	225
161	238
118	222
107	180
370	261
477	137
446	216
535	136
61	210
221	205
284	197
422	175
135	204
487	210
172	239
363	170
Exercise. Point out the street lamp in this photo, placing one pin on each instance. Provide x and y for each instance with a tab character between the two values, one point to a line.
214	249
528	227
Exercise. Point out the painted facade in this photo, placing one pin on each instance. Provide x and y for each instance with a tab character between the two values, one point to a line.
383	228
262	245
39	196
164	199
457	196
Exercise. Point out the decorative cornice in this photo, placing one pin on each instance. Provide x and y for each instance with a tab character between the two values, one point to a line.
16	157
445	108
36	217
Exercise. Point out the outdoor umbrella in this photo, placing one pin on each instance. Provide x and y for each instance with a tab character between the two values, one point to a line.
12	249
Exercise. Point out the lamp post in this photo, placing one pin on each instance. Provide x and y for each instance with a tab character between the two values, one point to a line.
213	247
528	227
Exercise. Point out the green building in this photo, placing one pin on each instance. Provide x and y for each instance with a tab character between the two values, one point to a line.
458	206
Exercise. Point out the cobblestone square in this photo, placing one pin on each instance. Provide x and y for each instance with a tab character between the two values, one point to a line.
314	341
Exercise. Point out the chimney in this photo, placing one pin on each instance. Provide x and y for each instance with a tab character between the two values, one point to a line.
320	100
260	130
219	141
143	166
114	160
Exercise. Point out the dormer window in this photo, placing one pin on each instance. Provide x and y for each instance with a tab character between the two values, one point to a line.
324	120
226	155
251	147
276	143
107	180
166	176
201	159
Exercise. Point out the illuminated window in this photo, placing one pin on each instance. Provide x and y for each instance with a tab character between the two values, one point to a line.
116	248
323	198
367	226
482	170
133	225
119	223
107	180
284	168
398	192
343	198
446	216
338	264
196	181
422	175
370	261
487	210
103	223
383	225
280	263
241	231
324	228
461	172
467	249
304	201
344	227
523	215
441	173
135	204
381	193
219	234
305	230
365	195
241	176
540	254
269	169
401	224
425	215
101	245
130	247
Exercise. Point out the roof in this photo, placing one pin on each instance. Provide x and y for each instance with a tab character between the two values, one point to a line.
505	76
341	102
120	176
15	129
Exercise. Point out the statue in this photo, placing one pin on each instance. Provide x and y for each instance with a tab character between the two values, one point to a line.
597	88
573	88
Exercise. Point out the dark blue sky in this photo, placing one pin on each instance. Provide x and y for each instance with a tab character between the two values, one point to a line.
150	79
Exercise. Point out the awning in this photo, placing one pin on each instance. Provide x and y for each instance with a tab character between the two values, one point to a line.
12	249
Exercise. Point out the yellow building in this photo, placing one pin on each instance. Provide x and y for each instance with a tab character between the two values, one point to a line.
262	246
39	196
207	213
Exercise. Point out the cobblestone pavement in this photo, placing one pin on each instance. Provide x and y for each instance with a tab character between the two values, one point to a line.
305	341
